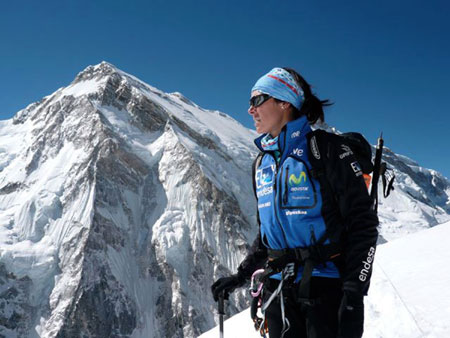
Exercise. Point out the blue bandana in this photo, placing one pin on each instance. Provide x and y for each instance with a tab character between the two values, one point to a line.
279	84
269	143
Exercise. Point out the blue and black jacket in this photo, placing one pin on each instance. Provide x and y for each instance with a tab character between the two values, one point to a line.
298	208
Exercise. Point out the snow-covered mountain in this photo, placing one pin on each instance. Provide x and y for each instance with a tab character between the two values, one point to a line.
120	204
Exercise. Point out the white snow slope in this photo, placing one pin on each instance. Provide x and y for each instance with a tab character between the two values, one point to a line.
409	295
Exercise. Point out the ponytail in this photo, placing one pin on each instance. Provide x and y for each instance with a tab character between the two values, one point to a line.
312	108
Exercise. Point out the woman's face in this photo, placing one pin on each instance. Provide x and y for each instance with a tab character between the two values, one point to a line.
269	117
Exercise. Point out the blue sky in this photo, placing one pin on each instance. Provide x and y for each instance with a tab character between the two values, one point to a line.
385	64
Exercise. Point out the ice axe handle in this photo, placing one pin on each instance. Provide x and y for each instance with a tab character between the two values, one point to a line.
221	313
376	171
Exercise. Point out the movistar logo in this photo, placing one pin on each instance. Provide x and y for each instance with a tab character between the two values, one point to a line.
294	180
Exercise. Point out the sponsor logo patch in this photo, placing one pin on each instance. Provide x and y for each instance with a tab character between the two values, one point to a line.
298	152
347	151
295	134
367	264
296	212
265	191
356	168
295	181
264	176
293	189
264	205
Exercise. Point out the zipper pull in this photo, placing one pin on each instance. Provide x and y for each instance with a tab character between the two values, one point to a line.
313	235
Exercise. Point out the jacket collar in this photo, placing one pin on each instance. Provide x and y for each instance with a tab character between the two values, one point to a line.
289	135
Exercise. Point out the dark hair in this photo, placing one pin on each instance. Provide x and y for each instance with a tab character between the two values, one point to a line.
313	106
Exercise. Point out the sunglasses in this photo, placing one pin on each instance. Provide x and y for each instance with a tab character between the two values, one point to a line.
258	100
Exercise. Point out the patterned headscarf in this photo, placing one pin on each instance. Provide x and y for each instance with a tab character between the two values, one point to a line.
279	84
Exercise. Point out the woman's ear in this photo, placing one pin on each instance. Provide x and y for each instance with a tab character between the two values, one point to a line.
284	105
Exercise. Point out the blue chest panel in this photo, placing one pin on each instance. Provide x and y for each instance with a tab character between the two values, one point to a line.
289	203
289	200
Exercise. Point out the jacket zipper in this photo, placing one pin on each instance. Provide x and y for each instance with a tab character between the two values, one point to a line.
285	195
313	235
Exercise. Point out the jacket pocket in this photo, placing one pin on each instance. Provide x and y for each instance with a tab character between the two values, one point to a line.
297	188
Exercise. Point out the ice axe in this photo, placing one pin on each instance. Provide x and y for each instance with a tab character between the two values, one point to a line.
221	312
376	172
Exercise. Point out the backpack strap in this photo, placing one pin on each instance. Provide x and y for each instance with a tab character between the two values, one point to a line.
318	146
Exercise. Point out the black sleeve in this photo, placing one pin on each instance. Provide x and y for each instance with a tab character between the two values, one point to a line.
255	259
358	217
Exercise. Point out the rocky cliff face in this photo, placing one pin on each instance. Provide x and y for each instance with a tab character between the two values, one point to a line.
120	204
421	199
133	204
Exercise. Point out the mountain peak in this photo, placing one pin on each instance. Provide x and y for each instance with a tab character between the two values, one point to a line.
95	71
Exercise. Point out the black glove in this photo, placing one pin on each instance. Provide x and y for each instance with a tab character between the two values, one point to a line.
351	316
226	285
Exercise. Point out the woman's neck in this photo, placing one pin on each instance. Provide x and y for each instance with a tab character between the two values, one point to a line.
286	119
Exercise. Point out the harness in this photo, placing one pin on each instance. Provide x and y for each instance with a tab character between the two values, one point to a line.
286	261
308	257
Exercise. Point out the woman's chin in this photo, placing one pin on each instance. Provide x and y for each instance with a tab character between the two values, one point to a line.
258	129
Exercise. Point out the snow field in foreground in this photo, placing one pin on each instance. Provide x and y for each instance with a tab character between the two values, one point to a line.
409	295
